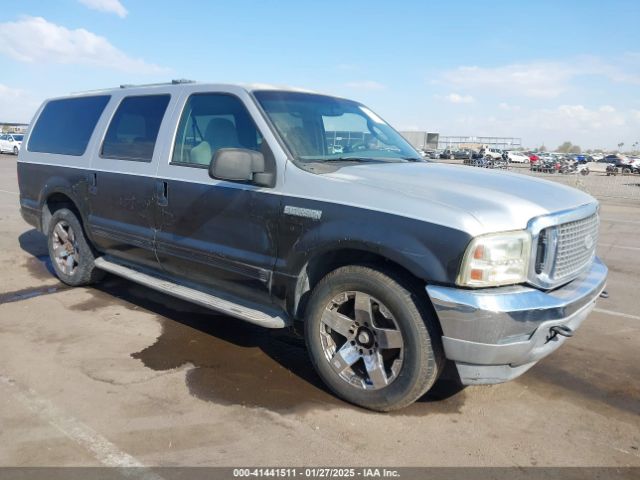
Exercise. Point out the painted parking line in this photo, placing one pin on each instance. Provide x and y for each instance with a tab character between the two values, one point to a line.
102	449
616	314
9	192
610	245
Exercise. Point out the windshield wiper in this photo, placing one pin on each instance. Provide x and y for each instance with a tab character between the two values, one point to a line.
362	159
351	159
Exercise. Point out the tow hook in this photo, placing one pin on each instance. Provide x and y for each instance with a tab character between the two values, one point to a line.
559	330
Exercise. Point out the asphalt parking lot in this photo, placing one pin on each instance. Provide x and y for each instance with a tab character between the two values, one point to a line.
120	375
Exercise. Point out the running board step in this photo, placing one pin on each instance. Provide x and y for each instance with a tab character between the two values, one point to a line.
272	319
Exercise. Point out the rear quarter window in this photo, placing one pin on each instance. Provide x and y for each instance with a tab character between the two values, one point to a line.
65	126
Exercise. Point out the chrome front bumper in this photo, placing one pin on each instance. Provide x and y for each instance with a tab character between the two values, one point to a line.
496	334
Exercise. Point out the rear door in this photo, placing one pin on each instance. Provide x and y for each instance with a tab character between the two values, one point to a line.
122	187
219	234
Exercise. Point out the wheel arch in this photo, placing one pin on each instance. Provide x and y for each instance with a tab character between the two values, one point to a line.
324	262
54	200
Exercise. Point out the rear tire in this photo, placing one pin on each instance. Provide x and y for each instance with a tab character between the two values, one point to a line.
373	338
15	151
71	255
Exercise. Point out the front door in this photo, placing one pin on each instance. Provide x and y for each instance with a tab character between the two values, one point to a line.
216	233
122	183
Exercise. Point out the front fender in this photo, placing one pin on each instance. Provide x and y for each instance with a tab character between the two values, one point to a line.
429	251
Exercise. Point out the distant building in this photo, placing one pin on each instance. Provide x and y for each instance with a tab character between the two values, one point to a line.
421	140
426	141
459	143
6	127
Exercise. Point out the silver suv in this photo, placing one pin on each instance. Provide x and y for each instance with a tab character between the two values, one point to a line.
231	197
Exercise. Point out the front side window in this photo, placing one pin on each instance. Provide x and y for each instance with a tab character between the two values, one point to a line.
18	138
209	122
134	128
66	125
318	128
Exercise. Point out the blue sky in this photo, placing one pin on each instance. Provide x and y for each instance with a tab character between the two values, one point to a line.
546	71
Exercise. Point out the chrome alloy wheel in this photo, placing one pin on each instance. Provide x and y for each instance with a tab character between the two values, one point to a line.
65	248
361	340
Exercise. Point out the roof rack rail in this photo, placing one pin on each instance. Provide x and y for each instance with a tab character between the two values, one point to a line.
177	81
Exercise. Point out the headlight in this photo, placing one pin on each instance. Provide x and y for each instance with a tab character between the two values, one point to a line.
496	259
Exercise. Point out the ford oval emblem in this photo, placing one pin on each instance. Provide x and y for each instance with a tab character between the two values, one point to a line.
588	242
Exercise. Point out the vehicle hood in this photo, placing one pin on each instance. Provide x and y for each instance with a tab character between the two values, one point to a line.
496	200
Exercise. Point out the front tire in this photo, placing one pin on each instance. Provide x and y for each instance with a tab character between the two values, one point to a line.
71	255
372	338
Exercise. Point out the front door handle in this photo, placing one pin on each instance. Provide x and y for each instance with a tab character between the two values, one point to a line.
162	193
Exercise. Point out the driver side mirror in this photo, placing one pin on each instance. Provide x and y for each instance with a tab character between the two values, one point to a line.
240	165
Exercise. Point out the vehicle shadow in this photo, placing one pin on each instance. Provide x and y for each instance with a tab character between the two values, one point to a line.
227	360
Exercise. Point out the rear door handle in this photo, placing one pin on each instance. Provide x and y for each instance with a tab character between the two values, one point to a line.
162	193
92	180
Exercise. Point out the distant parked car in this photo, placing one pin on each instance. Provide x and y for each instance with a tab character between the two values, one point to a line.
447	154
11	143
533	158
463	154
517	157
491	153
616	159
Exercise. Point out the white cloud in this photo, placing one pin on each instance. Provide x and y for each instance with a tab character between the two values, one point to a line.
543	79
366	85
17	105
584	126
457	98
533	80
109	6
508	107
34	39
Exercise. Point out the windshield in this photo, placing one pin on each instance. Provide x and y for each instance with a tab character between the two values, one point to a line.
18	138
318	128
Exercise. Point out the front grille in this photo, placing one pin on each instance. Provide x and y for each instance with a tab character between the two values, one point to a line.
576	246
566	249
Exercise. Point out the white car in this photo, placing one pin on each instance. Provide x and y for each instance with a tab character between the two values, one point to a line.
11	142
517	157
493	153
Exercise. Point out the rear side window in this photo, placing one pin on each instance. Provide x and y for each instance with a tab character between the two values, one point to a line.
134	128
65	126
